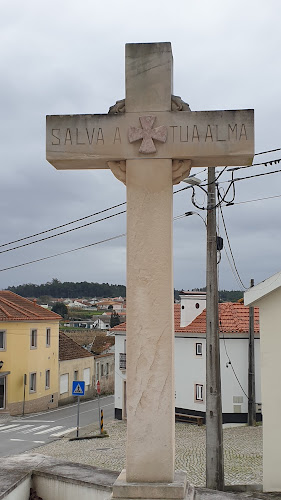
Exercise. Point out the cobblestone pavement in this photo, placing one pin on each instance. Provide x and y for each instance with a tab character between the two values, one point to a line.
242	451
6	417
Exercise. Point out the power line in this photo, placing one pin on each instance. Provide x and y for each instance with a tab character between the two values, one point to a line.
231	365
63	253
63	232
120	204
226	352
75	249
269	151
252	201
257	175
63	225
235	267
265	163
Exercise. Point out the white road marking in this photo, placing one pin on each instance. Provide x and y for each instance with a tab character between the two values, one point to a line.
51	429
35	429
6	427
35	421
27	441
21	427
66	431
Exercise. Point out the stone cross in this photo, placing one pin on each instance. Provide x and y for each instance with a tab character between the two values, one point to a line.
150	141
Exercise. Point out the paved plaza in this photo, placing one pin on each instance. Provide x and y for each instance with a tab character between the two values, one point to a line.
242	451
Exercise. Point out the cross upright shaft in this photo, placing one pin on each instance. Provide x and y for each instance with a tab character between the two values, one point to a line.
150	338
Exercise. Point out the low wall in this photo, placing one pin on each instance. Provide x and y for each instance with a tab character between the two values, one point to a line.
52	479
19	491
54	489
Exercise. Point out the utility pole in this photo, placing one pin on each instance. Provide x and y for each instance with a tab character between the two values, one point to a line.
251	369
214	438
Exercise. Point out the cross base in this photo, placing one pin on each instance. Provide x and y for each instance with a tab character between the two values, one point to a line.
179	489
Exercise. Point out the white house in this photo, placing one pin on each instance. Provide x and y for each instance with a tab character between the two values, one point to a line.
267	296
190	359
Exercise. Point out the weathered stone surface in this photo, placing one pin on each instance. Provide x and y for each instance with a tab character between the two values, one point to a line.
174	490
208	138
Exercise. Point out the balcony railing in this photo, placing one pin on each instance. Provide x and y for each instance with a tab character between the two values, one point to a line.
122	361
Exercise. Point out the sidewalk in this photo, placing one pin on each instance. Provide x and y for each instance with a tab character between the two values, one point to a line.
242	451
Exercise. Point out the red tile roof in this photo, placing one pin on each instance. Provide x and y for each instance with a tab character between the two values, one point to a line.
102	343
13	307
233	318
68	349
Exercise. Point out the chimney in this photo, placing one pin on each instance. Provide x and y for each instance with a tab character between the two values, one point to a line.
192	304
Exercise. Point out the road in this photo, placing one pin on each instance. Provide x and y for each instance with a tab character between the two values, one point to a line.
21	434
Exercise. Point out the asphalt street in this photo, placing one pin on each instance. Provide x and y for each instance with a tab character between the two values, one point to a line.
21	434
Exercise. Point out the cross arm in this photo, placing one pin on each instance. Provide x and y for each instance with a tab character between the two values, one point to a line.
207	138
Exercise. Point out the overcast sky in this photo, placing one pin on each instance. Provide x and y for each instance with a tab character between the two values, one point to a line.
67	57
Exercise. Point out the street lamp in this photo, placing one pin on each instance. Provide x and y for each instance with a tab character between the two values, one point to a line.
196	213
1	364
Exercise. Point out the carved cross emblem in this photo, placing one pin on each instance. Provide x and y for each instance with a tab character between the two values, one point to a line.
147	134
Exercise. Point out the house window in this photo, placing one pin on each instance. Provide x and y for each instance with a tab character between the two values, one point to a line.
2	340
199	392
48	337
199	348
197	305
64	383
101	370
33	339
47	379
32	382
75	376
107	369
86	376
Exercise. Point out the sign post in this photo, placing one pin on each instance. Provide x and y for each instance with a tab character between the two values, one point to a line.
78	389
24	386
98	391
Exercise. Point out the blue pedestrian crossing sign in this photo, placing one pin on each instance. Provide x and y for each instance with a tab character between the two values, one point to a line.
78	388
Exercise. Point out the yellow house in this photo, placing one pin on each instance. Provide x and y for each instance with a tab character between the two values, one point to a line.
29	344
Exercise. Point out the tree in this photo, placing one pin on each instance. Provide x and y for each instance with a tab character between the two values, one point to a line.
114	319
60	308
110	306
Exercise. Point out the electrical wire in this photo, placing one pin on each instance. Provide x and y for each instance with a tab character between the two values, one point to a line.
124	203
252	201
232	181
63	232
225	348
227	237
63	253
257	175
269	151
230	364
75	249
265	163
63	225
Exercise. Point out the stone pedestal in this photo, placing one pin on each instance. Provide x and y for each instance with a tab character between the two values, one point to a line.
176	490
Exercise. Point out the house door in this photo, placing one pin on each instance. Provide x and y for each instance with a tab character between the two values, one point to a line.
2	392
